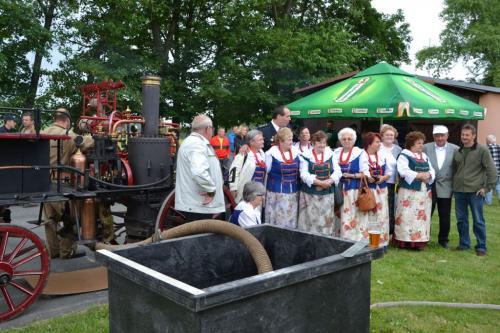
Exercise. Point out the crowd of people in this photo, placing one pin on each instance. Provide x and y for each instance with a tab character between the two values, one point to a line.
312	181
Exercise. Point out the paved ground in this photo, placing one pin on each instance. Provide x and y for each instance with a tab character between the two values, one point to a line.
46	307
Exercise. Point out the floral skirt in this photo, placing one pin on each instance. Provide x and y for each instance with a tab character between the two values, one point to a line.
413	218
355	224
316	213
282	209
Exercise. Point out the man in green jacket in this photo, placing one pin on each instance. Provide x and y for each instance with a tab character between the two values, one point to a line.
474	174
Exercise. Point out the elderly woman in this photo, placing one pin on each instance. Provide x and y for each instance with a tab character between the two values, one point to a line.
413	207
392	151
282	165
319	172
304	143
373	164
348	158
248	167
247	212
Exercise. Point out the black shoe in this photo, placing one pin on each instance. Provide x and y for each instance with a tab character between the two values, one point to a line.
75	254
444	245
480	253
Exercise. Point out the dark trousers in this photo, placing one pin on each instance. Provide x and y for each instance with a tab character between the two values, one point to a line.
444	211
391	198
190	217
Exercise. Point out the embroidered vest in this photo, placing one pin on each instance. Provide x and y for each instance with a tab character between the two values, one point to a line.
235	216
259	174
377	172
417	166
350	167
283	177
322	171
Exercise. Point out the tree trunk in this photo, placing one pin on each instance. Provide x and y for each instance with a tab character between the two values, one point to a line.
37	64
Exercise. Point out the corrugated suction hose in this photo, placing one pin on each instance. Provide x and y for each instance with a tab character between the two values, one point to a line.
255	248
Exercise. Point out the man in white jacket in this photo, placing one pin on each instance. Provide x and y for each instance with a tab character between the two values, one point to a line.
198	187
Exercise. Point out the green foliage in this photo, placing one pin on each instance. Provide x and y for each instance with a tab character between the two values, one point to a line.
237	58
472	34
28	30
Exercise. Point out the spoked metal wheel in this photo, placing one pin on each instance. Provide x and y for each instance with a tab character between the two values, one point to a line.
168	217
22	256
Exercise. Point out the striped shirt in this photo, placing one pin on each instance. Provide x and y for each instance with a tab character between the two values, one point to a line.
495	154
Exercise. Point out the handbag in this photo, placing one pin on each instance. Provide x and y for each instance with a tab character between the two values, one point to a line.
366	199
339	195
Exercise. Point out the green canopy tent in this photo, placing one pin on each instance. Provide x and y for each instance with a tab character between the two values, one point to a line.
385	91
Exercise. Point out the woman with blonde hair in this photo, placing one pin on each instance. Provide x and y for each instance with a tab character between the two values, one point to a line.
389	146
240	139
282	165
320	174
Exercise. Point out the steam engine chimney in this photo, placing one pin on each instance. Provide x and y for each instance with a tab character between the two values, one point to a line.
151	104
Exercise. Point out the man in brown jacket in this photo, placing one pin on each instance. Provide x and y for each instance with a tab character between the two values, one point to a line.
474	174
62	245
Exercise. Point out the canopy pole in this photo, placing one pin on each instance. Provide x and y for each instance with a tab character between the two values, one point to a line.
381	121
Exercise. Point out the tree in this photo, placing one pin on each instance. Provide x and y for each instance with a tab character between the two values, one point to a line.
472	35
28	30
226	57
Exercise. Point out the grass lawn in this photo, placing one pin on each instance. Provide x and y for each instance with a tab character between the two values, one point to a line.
434	274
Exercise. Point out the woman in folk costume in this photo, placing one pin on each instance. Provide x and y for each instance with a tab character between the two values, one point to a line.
373	163
414	201
247	213
389	145
282	166
304	143
319	174
248	167
348	158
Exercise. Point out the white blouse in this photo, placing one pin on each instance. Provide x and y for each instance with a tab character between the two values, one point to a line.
337	153
249	215
302	149
309	178
391	162
382	160
404	170
274	151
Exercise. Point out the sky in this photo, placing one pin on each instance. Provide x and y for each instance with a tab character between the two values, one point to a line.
425	27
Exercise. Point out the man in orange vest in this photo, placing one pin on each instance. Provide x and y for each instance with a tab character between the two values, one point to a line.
221	145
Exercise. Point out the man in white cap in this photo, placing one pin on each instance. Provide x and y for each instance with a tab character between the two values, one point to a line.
440	154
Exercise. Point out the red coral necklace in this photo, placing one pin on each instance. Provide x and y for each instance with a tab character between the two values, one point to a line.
346	161
286	160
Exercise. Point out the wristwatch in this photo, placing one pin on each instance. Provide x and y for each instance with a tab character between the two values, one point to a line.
211	194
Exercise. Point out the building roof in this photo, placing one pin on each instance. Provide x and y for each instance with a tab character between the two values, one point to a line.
450	83
460	84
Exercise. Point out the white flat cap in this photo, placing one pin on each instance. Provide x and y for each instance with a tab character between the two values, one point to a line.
439	129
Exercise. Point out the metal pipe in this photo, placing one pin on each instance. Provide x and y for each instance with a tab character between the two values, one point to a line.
110	125
126	121
88	220
65	167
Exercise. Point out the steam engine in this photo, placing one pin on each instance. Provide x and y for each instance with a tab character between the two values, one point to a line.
130	149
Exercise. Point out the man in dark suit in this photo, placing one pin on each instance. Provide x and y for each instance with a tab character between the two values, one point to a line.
440	153
281	118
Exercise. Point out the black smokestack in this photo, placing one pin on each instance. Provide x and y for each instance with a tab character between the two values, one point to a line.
151	104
